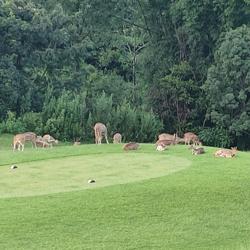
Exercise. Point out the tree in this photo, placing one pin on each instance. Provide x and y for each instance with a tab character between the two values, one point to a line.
228	85
175	98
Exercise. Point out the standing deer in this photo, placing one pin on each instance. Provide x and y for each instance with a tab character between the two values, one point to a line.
20	139
100	130
117	138
191	137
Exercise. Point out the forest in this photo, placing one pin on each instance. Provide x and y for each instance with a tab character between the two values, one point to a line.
139	66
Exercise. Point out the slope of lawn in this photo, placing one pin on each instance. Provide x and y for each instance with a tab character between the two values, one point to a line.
141	200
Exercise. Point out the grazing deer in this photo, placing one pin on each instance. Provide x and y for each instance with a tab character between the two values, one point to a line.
41	143
18	143
226	153
191	137
20	139
100	130
131	146
117	138
50	140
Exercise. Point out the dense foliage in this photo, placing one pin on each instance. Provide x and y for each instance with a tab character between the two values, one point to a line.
141	67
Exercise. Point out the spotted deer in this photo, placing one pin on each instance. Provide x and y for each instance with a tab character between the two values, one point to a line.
168	137
20	139
100	131
50	140
191	137
226	153
41	143
198	150
164	143
131	146
117	138
161	147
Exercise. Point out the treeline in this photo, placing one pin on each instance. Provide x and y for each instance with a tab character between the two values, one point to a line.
141	67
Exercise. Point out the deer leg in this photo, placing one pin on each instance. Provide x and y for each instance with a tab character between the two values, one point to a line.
20	145
106	139
96	138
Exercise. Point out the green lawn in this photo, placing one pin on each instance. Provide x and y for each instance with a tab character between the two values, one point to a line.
141	200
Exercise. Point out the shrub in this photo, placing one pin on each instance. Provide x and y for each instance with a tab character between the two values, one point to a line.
12	124
32	122
217	137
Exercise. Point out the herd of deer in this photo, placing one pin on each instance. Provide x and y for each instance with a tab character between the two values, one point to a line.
100	129
37	141
164	140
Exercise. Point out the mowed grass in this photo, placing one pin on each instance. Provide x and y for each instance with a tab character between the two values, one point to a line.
163	200
73	173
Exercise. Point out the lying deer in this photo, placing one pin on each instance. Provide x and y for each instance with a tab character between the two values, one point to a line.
77	141
168	137
226	153
161	147
164	142
198	151
131	146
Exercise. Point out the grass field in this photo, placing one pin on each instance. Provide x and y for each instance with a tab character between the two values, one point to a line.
141	200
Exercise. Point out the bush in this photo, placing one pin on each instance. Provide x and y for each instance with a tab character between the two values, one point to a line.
217	137
63	117
32	122
12	124
135	124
